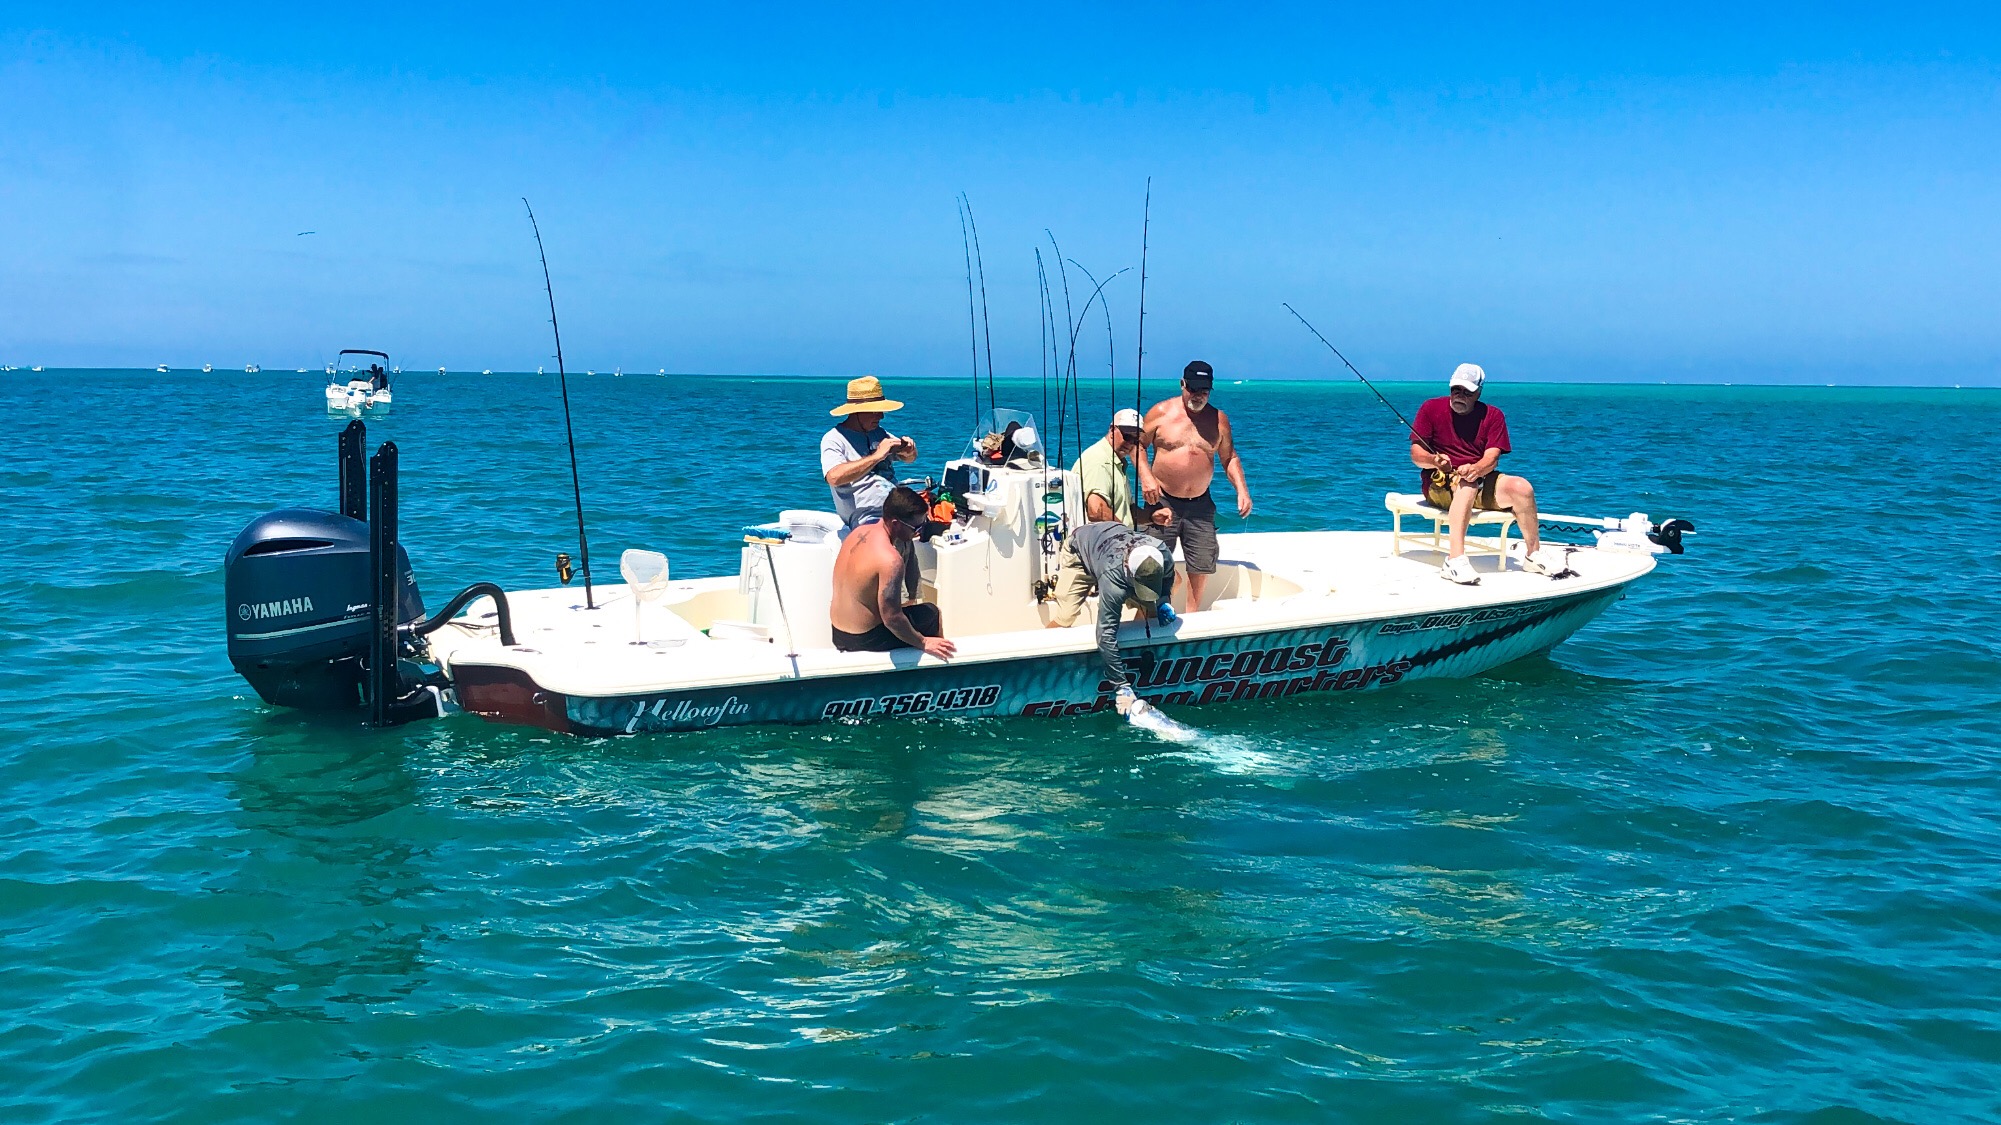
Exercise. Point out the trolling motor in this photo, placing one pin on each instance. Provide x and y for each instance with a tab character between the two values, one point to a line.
1635	533
322	608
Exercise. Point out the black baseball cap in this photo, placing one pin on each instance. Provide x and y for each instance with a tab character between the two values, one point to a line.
1198	374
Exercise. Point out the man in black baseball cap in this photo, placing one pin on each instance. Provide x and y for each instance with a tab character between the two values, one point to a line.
1188	437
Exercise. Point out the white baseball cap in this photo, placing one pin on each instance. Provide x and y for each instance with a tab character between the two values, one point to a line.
1127	419
1144	563
1468	375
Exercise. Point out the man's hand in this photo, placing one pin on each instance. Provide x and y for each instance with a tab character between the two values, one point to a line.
1149	490
1243	504
1161	516
1471	475
940	648
1125	699
1441	461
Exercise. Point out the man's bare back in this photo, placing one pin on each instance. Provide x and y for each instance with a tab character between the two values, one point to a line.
866	556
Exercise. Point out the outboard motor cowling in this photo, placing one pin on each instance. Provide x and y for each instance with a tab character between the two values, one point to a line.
298	606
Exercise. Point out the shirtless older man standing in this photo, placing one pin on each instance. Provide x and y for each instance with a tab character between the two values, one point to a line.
1188	436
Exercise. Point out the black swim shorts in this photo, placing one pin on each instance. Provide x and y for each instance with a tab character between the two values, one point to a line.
1194	527
923	617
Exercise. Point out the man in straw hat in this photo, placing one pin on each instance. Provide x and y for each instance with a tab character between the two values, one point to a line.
1128	567
854	455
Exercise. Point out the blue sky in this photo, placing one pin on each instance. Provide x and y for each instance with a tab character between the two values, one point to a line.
1806	195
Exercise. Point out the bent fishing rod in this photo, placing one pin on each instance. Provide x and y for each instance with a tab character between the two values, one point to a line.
563	380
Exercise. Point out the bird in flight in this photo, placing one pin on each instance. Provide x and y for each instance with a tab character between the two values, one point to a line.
304	233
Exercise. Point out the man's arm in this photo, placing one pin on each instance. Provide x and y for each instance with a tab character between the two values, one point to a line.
1113	590
848	472
1233	466
1425	459
1478	470
1149	488
906	448
1097	509
889	607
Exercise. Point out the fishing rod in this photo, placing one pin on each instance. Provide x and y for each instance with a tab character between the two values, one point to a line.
972	322
1139	361
563	380
1106	307
1042	287
1065	377
1428	448
986	323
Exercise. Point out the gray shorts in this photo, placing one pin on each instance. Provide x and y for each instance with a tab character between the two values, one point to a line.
1194	527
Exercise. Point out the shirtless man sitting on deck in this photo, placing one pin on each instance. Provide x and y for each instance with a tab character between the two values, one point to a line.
868	610
1188	436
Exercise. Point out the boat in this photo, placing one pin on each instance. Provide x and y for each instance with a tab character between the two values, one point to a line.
36	367
363	391
253	369
324	612
441	371
208	368
160	369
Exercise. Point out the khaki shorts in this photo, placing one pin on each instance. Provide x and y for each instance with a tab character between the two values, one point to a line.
1073	585
1438	490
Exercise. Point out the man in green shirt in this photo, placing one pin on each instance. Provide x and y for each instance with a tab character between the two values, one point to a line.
1101	471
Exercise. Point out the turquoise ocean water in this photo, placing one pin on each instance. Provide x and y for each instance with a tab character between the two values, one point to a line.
1730	854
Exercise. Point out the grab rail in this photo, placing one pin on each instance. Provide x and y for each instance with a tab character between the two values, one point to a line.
428	625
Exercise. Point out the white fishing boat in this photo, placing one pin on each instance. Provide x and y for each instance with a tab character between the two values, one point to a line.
365	390
1287	613
208	368
252	369
160	369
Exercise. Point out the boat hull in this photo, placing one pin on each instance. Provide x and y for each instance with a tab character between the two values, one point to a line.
1254	666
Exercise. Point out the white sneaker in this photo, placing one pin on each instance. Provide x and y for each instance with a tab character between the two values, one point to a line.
1458	569
1545	560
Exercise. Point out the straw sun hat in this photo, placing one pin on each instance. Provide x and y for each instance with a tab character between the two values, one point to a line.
865	395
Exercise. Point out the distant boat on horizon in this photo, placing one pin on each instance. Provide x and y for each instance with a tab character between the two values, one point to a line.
488	371
252	369
36	367
302	371
208	368
441	371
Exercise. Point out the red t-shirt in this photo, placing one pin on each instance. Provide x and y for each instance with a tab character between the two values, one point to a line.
1465	438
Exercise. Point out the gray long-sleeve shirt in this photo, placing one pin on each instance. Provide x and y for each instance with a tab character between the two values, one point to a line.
1102	548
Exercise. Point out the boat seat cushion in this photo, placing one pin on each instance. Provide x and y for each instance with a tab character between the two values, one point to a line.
1413	504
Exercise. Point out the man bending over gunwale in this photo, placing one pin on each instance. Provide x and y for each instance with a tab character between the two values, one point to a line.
868	613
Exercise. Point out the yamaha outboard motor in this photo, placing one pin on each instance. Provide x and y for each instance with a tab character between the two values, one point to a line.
299	606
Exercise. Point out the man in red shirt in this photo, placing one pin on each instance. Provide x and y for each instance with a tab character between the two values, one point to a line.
1457	441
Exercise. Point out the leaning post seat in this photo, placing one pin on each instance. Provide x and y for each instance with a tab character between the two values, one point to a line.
1401	504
